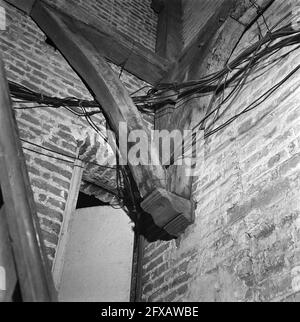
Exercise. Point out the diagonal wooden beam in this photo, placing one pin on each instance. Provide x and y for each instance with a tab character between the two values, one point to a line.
32	266
23	5
121	50
190	64
112	44
187	66
103	83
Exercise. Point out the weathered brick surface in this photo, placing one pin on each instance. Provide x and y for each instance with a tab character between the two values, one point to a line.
245	242
36	65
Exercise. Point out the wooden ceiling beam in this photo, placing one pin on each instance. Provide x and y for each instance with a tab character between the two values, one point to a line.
114	45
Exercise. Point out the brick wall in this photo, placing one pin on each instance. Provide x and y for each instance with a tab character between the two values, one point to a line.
245	242
36	65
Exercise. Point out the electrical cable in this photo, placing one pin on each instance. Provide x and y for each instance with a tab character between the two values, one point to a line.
257	58
158	96
73	158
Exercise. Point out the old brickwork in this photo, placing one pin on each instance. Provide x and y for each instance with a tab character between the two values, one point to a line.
244	244
31	62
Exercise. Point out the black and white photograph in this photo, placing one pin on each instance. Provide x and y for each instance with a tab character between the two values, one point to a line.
149	154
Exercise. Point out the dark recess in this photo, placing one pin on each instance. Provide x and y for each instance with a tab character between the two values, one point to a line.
86	201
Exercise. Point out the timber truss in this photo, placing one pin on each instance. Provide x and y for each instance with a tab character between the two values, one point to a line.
88	47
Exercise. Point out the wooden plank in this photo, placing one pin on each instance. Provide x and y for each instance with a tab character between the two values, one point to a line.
32	265
214	58
7	265
169	40
67	223
24	5
104	84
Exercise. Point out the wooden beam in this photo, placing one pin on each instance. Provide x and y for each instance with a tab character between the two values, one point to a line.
192	65
103	83
187	66
23	5
118	48
31	262
222	43
112	44
121	50
169	38
136	289
213	58
68	216
7	265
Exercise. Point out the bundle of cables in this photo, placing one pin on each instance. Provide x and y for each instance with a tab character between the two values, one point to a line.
239	68
234	77
234	74
23	95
